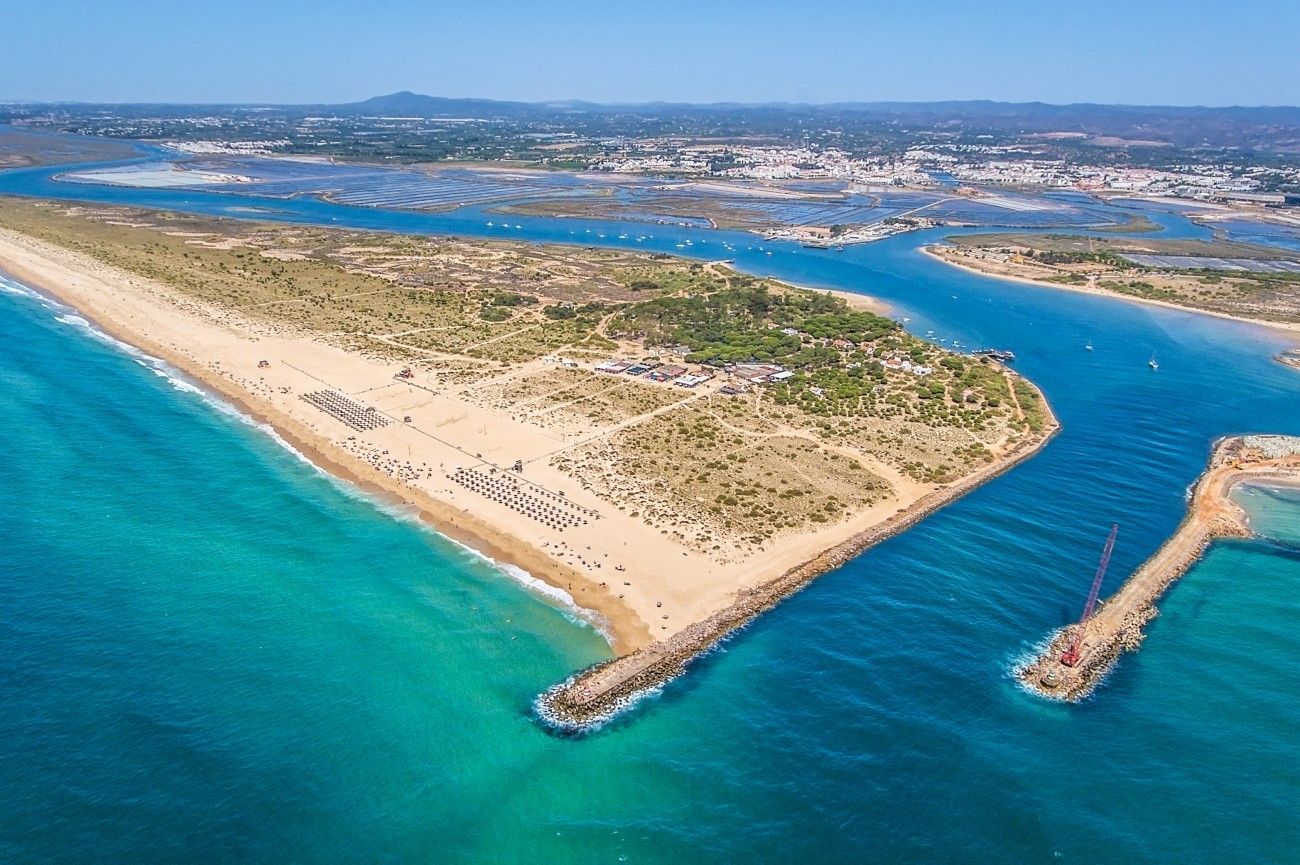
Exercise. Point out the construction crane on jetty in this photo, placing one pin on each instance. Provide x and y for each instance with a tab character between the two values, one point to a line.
1070	656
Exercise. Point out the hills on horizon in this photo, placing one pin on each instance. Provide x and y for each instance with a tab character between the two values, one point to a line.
1265	127
419	104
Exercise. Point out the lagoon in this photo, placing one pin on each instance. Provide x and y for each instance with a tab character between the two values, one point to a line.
218	654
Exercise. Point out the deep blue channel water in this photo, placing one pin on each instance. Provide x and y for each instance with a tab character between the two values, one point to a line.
215	653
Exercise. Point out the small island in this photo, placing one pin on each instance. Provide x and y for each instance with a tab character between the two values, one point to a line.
1079	656
1225	278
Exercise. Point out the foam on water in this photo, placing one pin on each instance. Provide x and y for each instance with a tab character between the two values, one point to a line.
576	613
553	595
265	670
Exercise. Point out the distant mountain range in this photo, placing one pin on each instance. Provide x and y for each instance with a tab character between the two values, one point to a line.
1267	127
1274	128
419	105
1187	126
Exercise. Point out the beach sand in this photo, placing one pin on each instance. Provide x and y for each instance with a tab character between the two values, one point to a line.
643	582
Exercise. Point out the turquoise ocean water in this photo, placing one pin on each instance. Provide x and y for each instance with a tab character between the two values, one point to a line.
215	653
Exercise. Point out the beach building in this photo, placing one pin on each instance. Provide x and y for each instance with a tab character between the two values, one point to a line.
691	380
754	373
667	373
1275	199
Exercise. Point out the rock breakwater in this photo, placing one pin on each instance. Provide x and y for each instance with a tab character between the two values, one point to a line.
600	692
1116	626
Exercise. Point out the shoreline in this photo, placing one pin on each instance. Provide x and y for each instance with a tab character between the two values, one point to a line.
711	605
1291	329
855	300
625	629
594	696
1211	515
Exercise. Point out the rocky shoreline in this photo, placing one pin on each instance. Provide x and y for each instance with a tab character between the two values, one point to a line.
1117	625
1127	637
593	696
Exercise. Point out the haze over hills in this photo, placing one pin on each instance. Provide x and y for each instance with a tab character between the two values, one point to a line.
1179	125
1264	128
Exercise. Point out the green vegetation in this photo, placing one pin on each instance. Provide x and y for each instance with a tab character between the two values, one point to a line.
841	391
674	278
1072	259
558	311
509	298
494	313
1053	256
1089	245
738	491
474	311
745	322
1138	288
1031	406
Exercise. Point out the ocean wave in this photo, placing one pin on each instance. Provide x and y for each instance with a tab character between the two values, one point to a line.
71	319
184	384
1026	656
565	727
571	609
552	595
10	287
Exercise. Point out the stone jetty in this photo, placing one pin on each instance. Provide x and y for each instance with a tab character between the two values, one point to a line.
1116	626
602	691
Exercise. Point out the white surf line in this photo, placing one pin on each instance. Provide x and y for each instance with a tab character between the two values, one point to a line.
554	596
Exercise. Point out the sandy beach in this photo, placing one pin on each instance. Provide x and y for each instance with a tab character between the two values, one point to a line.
120	305
643	582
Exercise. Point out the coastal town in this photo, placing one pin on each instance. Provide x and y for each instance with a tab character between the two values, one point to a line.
860	150
667	433
938	164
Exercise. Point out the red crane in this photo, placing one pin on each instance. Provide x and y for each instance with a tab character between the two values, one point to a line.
1071	655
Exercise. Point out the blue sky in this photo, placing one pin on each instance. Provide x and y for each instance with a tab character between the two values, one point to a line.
1137	52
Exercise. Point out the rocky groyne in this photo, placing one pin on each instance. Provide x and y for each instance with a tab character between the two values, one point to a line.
1116	626
602	691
